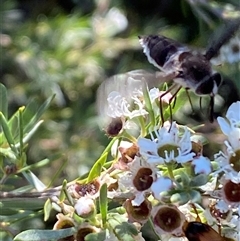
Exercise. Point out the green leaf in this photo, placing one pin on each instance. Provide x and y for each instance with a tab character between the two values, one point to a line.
7	212
7	132
199	180
20	126
35	118
123	230
31	132
34	180
180	198
67	195
96	236
97	168
13	126
103	204
58	172
47	209
12	215
3	100
41	163
148	104
196	196
22	203
42	235
185	180
7	152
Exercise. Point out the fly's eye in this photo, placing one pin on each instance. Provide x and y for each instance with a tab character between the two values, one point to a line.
205	88
180	74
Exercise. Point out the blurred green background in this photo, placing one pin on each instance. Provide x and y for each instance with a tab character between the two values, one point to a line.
68	48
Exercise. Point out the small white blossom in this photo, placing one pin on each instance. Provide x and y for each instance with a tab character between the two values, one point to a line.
162	184
228	195
138	180
229	162
167	146
155	93
201	165
233	116
118	106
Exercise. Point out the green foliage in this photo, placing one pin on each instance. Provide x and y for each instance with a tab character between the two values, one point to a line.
15	133
39	235
103	203
51	53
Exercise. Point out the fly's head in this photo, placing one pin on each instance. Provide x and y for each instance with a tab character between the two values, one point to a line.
196	73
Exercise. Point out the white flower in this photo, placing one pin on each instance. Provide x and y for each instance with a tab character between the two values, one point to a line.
233	116
116	145
222	206
155	93
118	106
167	146
162	184
201	165
235	222
229	163
228	195
138	180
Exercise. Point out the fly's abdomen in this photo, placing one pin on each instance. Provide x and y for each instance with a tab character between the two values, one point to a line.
159	49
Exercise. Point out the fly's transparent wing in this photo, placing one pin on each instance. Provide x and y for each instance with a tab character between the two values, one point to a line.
126	84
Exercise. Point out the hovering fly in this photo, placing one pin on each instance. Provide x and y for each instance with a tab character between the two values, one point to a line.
187	68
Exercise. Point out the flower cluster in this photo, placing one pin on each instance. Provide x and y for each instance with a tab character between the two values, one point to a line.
229	160
157	175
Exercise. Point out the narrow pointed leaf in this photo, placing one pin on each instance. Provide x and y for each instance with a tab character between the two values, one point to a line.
34	180
103	204
148	104
40	235
3	100
97	167
38	114
7	132
47	209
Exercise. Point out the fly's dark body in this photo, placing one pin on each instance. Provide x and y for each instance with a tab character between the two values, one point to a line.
190	69
187	68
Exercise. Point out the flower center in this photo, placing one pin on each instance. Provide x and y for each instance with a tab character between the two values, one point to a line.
168	148
235	161
87	188
232	191
168	219
138	213
114	128
83	232
143	180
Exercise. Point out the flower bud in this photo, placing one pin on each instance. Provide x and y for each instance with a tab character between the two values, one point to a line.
85	207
